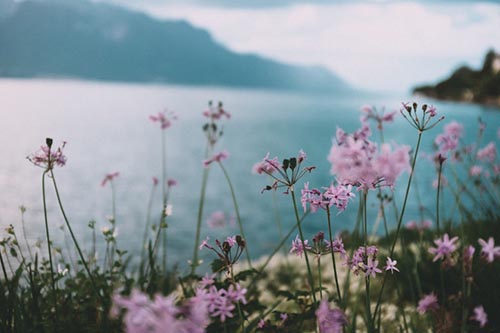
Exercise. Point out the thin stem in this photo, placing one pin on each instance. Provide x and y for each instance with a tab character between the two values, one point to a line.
301	234
52	279
400	220
367	278
82	258
237	211
24	235
437	196
148	222
165	196
333	254
194	262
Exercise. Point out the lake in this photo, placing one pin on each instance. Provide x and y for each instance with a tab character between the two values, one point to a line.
107	128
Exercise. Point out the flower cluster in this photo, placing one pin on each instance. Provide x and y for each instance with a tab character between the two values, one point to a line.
420	120
444	248
161	314
47	158
214	114
165	118
370	112
330	320
219	157
290	171
337	196
447	142
228	251
221	302
110	177
357	161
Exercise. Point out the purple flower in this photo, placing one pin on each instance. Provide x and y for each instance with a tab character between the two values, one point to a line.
488	153
204	243
109	177
480	316
445	247
267	165
219	157
489	250
391	265
164	118
261	323
47	158
372	267
428	303
330	320
297	246
217	219
337	246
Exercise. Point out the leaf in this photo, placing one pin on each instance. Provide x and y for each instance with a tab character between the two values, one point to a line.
217	265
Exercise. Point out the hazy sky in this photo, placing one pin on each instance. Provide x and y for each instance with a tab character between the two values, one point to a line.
382	45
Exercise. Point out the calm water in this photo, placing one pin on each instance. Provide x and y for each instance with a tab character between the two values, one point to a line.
107	129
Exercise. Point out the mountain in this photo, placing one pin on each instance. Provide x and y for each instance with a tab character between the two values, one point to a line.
468	85
59	38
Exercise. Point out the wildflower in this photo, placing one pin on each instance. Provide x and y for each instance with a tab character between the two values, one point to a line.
372	267
480	316
168	210
207	280
261	323
445	247
330	320
171	182
428	303
155	181
379	117
475	170
204	243
283	317
164	118
217	220
219	157
237	294
338	196
215	113
468	255
47	158
267	165
391	265
297	246
488	153
337	246
290	171
109	177
420	122
62	271
489	250
420	226
355	160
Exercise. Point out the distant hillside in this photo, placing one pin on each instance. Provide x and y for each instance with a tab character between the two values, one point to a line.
56	38
468	85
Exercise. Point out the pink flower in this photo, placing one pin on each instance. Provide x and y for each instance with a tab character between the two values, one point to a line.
355	160
489	250
171	182
207	280
445	247
164	118
337	246
215	113
219	157
480	316
47	158
372	267
488	153
204	243
475	170
297	246
391	265
109	177
261	323
217	220
267	165
283	317
428	303
155	181
330	320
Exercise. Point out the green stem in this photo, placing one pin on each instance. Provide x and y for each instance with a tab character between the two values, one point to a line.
52	279
194	262
400	220
237	211
437	196
333	254
301	234
82	258
367	278
148	222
